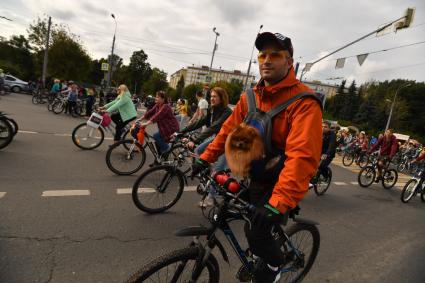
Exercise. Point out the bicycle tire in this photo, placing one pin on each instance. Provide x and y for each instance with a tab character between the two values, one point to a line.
152	269
423	193
34	99
315	235
407	195
58	107
347	159
165	173
6	132
318	190
401	167
78	137
14	125
368	170
362	161
121	150
384	179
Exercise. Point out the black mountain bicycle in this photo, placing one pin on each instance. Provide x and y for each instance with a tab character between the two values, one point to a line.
320	183
367	175
196	263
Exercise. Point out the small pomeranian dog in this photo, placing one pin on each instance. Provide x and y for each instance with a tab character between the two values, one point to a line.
243	146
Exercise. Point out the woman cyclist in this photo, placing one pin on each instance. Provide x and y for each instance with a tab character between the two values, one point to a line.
162	114
122	110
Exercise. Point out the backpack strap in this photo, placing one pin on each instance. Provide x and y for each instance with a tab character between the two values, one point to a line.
252	103
273	112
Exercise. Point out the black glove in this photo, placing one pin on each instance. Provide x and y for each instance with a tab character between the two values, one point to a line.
198	166
265	216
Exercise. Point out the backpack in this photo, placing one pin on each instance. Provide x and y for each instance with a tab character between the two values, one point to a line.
263	122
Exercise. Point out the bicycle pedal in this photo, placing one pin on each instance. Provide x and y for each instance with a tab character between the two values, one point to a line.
243	274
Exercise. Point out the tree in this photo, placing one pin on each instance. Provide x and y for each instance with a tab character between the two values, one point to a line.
190	91
68	59
233	89
139	70
157	81
16	57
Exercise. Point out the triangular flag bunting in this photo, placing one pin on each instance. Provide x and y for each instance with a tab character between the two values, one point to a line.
308	67
340	63
361	58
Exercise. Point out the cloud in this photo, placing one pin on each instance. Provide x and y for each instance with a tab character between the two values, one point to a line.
62	14
95	9
237	11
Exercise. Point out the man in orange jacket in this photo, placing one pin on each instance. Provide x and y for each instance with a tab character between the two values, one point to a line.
297	134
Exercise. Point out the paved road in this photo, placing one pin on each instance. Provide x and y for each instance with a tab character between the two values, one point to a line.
97	234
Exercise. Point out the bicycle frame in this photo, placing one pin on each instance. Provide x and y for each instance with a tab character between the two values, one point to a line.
220	220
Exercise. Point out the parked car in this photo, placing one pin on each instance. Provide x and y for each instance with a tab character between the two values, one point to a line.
14	84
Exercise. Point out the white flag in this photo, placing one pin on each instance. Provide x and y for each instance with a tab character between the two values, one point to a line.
340	63
307	67
361	58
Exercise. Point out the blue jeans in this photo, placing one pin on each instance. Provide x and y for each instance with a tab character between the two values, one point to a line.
161	145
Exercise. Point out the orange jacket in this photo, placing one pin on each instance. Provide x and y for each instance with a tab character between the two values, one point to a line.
297	131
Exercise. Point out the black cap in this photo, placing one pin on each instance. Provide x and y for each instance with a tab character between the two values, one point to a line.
281	40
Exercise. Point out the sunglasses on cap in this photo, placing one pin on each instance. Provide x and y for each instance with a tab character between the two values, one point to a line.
273	56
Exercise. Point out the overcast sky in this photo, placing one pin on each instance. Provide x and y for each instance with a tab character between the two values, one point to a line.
177	34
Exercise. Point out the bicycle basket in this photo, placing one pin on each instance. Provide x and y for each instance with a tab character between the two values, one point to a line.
106	120
138	133
95	120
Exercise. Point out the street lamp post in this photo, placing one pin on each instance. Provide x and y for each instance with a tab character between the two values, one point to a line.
214	49
250	61
392	104
111	60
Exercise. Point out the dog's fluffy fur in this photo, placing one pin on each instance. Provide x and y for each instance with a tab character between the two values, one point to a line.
243	146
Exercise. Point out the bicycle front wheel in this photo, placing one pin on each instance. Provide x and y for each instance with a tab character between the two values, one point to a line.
58	107
389	179
366	176
409	190
323	183
177	266
6	132
125	157
14	125
86	137
158	189
305	239
347	159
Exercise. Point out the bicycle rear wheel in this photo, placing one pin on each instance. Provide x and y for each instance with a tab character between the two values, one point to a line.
34	99
86	137
409	190
125	157
306	241
389	178
158	189
6	132
323	183
177	266
366	176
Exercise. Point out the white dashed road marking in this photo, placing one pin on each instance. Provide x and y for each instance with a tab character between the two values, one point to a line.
354	183
27	132
2	194
340	183
63	193
122	191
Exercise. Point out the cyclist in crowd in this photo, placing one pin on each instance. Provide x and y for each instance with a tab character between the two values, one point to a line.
162	114
182	114
91	99
328	148
387	145
72	98
216	115
121	110
1	80
56	88
202	109
296	133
